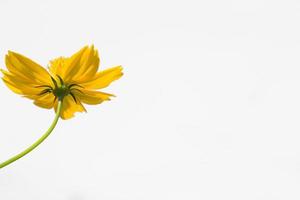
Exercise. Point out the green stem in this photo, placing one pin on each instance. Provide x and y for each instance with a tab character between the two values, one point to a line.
38	142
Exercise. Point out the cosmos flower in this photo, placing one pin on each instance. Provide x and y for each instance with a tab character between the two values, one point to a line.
74	79
70	83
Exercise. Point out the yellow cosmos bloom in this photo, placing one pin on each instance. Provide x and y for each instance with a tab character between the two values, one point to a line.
70	83
74	79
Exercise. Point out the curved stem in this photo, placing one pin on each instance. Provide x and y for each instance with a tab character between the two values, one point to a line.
38	142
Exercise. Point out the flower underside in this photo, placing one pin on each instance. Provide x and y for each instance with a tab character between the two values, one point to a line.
60	90
75	80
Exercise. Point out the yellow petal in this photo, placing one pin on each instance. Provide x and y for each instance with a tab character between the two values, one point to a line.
104	78
12	87
73	64
57	66
19	79
45	101
81	65
92	97
14	70
69	107
26	68
17	85
66	68
89	64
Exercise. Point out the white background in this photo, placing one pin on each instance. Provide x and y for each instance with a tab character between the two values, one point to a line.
208	108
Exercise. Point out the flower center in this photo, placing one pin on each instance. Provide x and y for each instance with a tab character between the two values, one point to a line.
60	91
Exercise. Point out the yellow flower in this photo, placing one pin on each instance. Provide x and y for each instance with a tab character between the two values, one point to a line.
74	80
70	82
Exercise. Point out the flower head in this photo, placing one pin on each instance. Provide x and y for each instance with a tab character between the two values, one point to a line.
74	80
